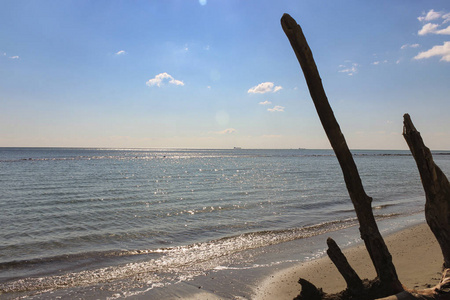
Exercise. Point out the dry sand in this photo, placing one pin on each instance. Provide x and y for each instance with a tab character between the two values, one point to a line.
415	252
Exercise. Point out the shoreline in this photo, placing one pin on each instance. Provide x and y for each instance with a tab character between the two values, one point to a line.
415	253
272	272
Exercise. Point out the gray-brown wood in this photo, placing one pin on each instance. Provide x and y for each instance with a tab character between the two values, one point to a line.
354	283
441	291
373	240
309	291
436	186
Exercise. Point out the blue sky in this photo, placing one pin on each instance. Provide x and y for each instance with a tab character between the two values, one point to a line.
220	73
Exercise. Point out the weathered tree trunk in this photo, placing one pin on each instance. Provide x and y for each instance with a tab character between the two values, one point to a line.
436	186
437	208
370	234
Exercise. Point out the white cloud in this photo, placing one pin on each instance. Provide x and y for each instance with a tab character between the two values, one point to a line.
379	62
277	88
121	52
227	131
176	82
349	69
443	51
428	28
158	80
263	88
446	18
431	15
265	103
433	28
202	2
445	31
277	108
409	46
14	57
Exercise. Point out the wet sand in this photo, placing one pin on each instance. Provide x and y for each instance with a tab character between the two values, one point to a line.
416	255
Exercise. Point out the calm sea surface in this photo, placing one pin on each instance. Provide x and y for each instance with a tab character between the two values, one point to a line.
74	218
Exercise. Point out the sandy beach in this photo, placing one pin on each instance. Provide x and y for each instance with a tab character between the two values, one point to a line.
415	253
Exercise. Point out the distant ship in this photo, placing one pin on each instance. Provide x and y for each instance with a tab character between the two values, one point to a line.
237	148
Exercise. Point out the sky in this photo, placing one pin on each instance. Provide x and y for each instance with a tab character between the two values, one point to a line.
220	73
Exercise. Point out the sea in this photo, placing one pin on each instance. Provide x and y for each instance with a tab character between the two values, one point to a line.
168	223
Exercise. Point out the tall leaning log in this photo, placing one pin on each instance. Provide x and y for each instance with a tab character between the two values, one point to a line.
436	186
373	240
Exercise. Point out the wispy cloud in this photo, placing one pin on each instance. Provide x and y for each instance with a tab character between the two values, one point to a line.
276	108
409	46
442	50
226	131
429	16
379	62
158	80
277	88
265	103
121	52
446	18
264	87
349	68
10	57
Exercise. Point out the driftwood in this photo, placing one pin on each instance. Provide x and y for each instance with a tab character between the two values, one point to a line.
436	186
435	183
354	283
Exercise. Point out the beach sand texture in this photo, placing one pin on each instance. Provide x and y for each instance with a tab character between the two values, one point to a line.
415	252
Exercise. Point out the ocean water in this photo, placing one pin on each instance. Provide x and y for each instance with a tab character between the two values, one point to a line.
113	223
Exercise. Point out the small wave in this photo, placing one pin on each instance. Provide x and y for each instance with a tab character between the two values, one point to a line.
173	260
48	159
26	263
383	206
182	261
387	216
382	154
